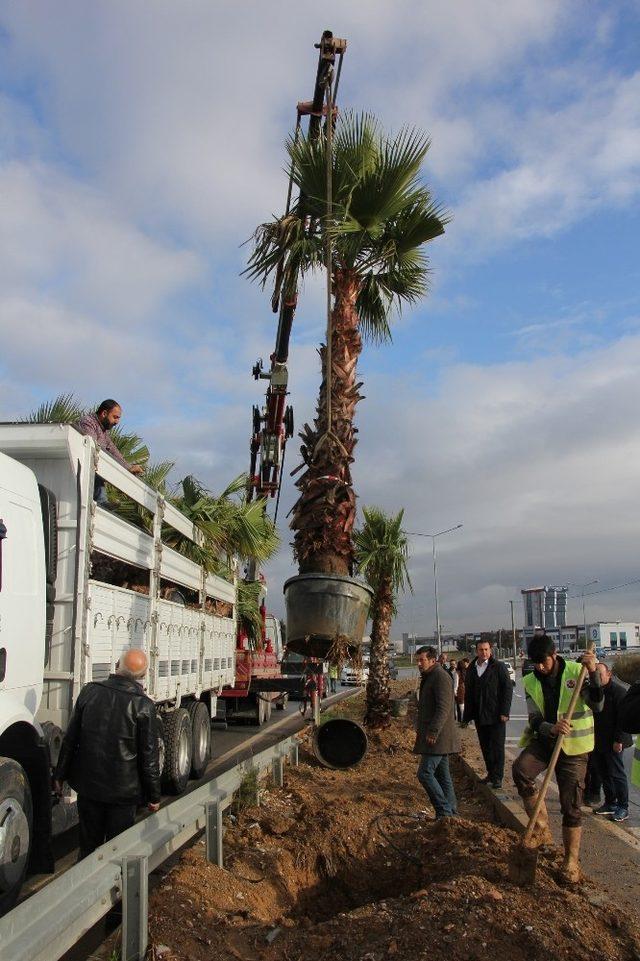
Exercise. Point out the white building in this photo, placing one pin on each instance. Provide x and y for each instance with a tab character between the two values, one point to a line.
618	635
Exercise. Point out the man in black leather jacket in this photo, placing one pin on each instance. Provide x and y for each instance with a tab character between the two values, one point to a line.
110	753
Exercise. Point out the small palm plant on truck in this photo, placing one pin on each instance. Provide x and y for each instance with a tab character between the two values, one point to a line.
367	217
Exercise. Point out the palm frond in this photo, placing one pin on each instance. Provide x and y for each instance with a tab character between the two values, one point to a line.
382	551
63	409
131	446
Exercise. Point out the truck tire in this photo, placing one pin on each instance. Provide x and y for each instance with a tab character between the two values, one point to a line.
16	820
176	727
200	738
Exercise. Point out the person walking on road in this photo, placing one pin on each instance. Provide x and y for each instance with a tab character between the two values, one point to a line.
487	701
333	678
110	753
548	689
437	736
608	753
461	671
629	720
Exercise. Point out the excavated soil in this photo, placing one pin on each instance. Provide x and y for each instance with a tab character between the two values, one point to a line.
351	866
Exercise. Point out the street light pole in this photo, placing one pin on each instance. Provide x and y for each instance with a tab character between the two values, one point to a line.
513	635
438	632
582	588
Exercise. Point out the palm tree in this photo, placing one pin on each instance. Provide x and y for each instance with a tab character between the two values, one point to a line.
63	409
381	551
381	218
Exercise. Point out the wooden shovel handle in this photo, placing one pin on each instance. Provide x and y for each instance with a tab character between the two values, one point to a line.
554	758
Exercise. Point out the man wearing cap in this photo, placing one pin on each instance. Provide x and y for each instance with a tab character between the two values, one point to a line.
548	690
110	753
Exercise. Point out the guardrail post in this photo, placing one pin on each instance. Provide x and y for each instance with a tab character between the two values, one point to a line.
293	754
135	905
213	811
277	766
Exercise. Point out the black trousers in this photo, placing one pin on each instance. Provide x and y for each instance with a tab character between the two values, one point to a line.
610	767
593	781
492	738
100	822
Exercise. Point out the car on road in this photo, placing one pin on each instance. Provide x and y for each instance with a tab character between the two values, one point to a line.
354	676
512	673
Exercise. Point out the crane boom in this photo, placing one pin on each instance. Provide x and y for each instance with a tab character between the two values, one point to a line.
273	425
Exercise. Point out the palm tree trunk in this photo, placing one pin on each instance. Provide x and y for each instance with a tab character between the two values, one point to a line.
378	706
325	512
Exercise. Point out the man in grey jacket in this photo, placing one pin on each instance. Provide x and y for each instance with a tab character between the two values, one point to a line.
436	733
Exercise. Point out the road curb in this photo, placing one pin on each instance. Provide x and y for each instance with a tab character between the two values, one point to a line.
508	810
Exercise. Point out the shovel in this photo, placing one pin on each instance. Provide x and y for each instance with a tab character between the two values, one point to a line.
524	858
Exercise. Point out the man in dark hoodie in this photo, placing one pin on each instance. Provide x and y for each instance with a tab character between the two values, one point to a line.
487	701
436	733
608	753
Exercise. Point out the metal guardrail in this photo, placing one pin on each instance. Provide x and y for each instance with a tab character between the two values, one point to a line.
50	922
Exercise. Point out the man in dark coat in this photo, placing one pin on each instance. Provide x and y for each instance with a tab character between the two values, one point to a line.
436	733
610	742
487	701
110	753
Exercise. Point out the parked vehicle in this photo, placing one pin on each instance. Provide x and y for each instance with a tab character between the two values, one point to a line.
352	677
512	673
79	585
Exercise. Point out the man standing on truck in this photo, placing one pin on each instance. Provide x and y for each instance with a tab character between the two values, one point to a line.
110	753
98	425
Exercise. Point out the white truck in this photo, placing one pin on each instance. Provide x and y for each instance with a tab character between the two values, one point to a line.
61	626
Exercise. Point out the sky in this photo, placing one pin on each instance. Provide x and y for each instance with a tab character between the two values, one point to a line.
140	145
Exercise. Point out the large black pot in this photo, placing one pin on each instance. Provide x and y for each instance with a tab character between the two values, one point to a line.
321	606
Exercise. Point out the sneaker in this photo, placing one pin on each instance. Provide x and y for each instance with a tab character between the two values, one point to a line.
607	809
620	814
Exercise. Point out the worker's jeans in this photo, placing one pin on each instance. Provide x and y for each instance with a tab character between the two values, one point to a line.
100	822
610	767
570	774
435	777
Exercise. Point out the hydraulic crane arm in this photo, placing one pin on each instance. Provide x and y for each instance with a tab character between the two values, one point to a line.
273	425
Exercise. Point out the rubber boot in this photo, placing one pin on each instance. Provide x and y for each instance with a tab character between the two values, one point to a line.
541	832
571	864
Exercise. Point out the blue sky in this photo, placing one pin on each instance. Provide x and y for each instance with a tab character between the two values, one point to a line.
141	143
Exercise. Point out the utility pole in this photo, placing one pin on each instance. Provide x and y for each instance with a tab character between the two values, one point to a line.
513	635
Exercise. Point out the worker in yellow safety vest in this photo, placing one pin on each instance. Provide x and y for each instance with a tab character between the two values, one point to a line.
629	720
548	690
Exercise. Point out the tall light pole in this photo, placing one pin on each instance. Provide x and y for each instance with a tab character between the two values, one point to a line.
513	635
438	632
582	588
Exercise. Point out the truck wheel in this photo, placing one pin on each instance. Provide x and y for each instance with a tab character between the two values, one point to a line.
176	727
16	817
200	738
282	702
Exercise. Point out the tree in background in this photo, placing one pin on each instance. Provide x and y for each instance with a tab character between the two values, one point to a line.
381	553
381	217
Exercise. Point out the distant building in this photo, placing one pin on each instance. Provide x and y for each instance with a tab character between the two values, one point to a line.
616	635
545	607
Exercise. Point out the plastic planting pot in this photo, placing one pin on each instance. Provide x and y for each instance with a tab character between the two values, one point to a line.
322	606
340	743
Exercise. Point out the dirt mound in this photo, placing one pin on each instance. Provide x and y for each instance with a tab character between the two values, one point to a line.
350	866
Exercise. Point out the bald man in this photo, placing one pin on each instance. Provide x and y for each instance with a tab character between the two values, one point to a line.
110	753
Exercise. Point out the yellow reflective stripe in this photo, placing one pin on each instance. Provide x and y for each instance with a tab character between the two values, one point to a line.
581	732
